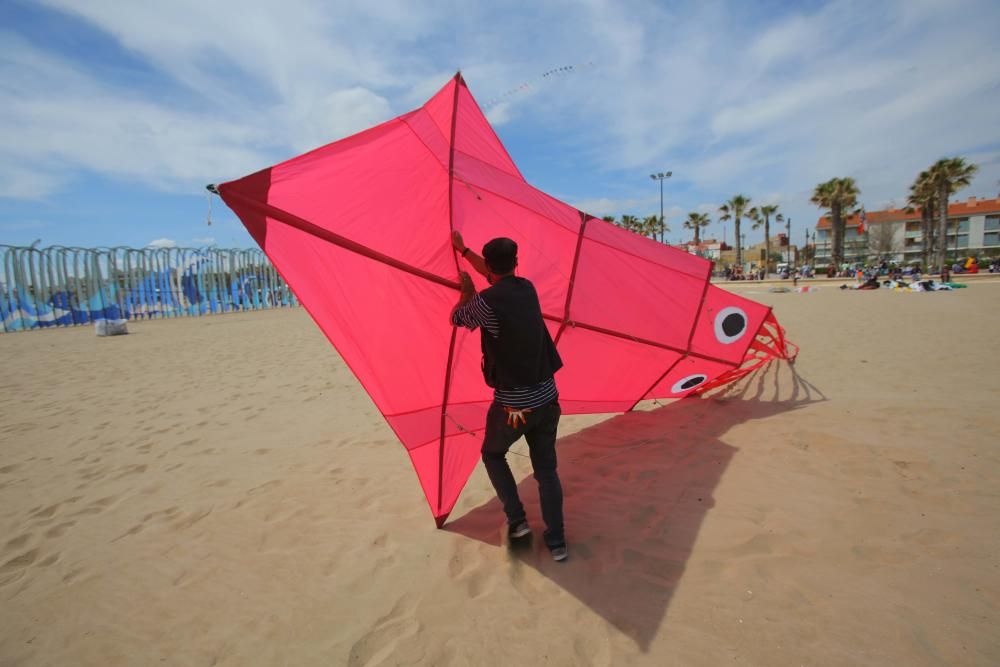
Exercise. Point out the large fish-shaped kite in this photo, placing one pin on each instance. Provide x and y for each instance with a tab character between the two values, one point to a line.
361	231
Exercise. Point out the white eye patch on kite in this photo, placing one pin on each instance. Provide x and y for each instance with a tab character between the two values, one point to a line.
730	324
688	383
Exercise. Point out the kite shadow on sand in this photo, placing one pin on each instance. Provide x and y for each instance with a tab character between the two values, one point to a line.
638	487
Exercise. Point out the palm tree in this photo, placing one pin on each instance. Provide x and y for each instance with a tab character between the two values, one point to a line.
838	195
610	218
923	195
651	226
762	216
696	221
948	176
631	223
735	209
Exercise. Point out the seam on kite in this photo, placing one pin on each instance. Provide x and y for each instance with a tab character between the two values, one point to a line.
701	303
430	150
435	439
432	407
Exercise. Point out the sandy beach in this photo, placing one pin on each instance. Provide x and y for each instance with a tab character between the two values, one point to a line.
221	491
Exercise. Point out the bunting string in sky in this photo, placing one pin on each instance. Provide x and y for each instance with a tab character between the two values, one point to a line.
536	81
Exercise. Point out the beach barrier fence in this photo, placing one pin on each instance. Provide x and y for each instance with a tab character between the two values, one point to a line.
65	286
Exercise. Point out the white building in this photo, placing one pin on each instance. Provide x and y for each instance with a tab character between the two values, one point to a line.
973	227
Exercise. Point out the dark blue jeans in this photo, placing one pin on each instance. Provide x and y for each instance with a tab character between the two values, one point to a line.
539	429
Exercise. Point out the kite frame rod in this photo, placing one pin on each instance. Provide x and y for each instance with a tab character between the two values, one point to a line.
304	225
572	276
438	517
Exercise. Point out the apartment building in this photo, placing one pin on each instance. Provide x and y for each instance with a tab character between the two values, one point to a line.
973	227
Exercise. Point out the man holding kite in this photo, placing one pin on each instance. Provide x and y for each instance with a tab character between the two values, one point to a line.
519	361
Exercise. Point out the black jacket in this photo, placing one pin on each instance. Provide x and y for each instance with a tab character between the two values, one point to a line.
523	354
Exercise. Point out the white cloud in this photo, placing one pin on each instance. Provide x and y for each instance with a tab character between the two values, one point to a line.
601	206
20	181
336	115
162	243
498	114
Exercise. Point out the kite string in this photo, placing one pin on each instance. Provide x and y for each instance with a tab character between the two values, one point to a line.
460	426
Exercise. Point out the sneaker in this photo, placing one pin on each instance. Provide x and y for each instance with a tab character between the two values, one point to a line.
559	553
519	529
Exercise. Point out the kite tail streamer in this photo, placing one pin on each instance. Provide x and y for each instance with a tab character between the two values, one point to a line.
769	344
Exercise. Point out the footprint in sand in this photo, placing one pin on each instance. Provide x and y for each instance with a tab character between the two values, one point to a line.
17	542
19	562
105	502
266	486
386	635
59	529
46	512
134	530
190	519
134	469
466	567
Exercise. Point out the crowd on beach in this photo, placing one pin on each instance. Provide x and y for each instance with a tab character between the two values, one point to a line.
891	275
873	275
758	272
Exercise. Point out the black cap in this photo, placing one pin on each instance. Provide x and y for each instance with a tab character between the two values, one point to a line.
500	255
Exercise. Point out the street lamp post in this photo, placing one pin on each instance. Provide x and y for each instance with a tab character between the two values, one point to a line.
661	176
788	233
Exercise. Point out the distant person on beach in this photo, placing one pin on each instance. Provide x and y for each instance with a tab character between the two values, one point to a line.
519	361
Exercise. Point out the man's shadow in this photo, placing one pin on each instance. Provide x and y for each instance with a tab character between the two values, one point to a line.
637	488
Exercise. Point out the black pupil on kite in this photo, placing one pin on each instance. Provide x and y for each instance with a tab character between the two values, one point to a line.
733	324
693	382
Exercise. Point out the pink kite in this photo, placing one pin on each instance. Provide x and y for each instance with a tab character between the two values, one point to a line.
361	230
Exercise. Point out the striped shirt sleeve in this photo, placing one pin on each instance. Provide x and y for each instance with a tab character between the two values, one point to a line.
476	313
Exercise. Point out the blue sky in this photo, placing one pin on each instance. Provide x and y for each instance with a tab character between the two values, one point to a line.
114	115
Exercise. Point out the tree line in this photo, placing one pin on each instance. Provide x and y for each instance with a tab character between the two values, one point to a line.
929	194
737	209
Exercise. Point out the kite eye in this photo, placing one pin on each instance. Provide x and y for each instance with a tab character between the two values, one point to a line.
730	324
688	383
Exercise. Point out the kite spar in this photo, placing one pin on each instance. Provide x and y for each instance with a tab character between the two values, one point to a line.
360	229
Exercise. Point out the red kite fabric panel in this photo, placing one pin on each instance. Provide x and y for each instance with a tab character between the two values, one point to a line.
361	230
